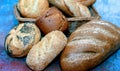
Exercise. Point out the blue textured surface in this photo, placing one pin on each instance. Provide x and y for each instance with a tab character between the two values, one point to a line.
109	10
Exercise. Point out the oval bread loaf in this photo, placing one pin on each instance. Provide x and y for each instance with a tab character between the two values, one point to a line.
21	38
78	9
46	50
74	7
89	45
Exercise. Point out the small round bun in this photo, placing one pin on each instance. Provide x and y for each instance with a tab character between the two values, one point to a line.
21	38
51	20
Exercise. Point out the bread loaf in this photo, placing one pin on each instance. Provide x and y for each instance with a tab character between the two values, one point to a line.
74	7
21	38
61	5
87	2
46	50
89	45
52	20
78	9
84	2
32	8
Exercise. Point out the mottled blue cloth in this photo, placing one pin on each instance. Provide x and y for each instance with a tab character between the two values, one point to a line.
109	10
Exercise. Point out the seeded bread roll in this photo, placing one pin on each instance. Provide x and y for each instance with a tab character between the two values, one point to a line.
32	8
52	20
46	50
89	45
21	38
74	7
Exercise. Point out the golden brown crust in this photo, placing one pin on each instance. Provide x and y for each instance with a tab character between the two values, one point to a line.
89	45
74	7
46	50
84	2
61	5
51	20
78	9
88	2
21	38
32	8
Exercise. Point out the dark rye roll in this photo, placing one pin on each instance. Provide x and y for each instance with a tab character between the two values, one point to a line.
21	39
52	20
89	45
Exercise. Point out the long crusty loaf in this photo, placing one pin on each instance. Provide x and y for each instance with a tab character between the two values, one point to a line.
89	45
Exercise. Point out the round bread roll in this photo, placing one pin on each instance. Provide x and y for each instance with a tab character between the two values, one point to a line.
46	50
51	20
32	8
21	38
74	7
89	45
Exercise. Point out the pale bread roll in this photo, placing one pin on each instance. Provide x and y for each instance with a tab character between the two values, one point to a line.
32	8
46	50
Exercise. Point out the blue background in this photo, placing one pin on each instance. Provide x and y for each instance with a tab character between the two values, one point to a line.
109	10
